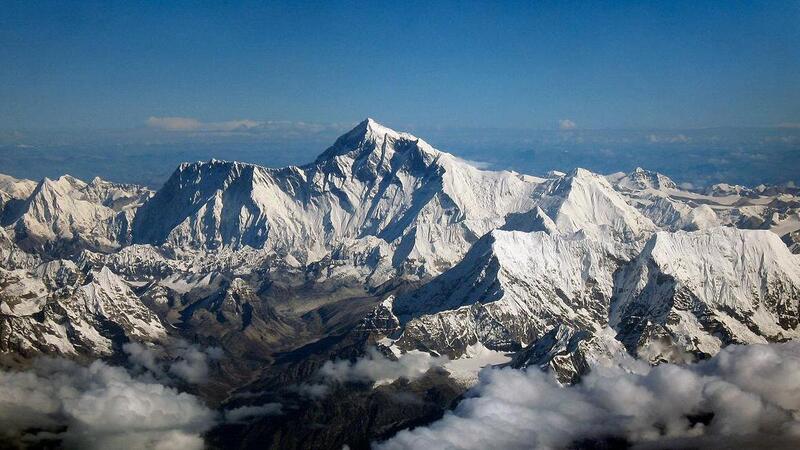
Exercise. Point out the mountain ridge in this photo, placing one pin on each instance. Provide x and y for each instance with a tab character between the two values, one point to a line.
384	243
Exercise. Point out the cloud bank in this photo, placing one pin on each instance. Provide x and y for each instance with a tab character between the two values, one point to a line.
745	394
98	407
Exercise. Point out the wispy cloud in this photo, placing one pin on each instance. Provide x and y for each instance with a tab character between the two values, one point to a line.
380	369
191	124
566	124
245	413
679	138
374	367
483	165
284	128
180	360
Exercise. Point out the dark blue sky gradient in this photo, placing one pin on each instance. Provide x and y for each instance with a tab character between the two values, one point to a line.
99	65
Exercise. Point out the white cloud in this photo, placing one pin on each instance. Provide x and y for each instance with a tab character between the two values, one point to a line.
180	359
377	368
668	139
566	124
146	357
192	365
174	123
483	165
373	368
748	393
98	406
312	390
243	413
191	124
280	128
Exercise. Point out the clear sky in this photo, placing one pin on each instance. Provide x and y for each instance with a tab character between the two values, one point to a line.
672	64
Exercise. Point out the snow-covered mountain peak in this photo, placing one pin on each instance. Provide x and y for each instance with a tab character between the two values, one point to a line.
510	289
63	185
708	288
427	205
66	215
580	172
641	179
15	188
583	200
374	143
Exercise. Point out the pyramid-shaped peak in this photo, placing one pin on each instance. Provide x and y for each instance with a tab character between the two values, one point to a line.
369	136
580	172
371	127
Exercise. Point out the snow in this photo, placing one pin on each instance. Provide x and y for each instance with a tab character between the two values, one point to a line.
740	280
16	188
586	201
466	368
425	204
503	259
788	225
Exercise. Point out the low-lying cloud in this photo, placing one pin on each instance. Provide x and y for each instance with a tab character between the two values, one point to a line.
375	367
98	407
744	394
182	360
245	413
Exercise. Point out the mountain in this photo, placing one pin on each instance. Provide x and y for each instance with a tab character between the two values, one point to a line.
674	208
510	289
426	205
14	189
58	309
703	290
584	201
641	179
385	248
64	216
501	258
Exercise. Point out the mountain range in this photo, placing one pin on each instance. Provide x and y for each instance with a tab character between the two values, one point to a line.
386	244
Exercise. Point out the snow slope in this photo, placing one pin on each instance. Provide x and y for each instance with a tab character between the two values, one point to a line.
427	205
705	289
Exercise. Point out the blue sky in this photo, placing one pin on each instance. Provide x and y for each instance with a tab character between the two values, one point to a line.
530	65
701	91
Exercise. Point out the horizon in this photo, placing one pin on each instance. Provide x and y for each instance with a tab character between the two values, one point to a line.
751	156
97	86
